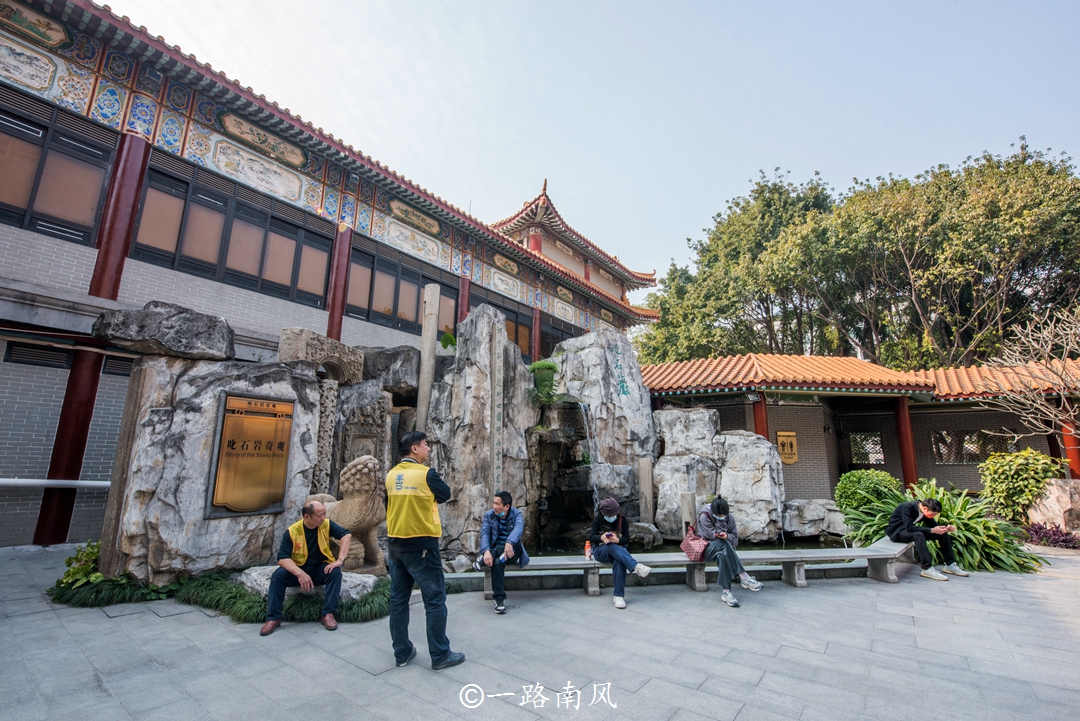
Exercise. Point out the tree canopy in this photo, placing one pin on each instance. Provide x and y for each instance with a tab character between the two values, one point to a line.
931	271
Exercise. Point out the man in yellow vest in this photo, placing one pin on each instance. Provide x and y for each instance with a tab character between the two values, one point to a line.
305	560
413	530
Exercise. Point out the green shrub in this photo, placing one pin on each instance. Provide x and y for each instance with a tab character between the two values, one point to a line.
857	488
1012	482
545	364
982	542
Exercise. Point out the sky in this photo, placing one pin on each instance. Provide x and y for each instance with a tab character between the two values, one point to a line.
647	117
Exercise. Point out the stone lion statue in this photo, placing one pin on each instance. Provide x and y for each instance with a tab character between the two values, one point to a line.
361	510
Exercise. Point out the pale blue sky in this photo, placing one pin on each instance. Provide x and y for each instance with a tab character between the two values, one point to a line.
646	117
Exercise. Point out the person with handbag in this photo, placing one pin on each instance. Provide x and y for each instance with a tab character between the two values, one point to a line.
609	538
716	526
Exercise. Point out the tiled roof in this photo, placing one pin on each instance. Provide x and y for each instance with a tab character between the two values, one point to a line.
757	371
118	31
992	380
542	211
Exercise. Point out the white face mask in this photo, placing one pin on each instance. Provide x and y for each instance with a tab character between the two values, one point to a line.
610	519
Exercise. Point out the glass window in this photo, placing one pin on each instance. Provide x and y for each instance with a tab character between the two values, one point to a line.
312	277
969	447
70	189
524	339
245	247
202	233
19	159
408	298
447	308
866	449
161	217
280	256
382	297
359	285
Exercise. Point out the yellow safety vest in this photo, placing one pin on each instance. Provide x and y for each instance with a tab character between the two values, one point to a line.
411	510
299	542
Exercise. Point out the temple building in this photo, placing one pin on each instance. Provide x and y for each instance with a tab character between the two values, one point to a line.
131	172
830	415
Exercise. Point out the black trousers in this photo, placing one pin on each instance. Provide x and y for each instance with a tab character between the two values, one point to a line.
920	536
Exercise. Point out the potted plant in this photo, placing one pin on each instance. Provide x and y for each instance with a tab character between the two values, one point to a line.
544	375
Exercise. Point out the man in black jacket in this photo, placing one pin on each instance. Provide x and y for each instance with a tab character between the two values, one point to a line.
914	522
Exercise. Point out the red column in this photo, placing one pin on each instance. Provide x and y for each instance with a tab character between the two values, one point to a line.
588	276
535	341
1071	440
536	242
72	432
118	215
907	442
462	299
761	417
339	280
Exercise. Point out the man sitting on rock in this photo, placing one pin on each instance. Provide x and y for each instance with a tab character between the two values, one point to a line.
500	533
305	560
913	521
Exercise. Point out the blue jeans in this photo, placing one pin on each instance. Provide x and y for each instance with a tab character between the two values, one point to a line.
424	568
621	561
498	572
282	579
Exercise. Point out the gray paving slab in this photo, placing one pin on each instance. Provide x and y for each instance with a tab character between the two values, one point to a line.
993	646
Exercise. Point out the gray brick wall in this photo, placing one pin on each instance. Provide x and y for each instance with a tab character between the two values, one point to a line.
18	515
356	332
88	516
48	261
104	429
813	475
924	422
884	423
738	417
30	402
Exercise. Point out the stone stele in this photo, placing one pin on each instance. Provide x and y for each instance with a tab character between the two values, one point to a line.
155	523
354	586
460	429
169	330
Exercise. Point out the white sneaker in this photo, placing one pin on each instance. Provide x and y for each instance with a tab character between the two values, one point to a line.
751	584
934	574
620	602
729	598
642	570
955	570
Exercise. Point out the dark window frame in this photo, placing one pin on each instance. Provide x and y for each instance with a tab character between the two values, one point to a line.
51	139
233	207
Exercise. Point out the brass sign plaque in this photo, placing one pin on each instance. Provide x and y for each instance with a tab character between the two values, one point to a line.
789	449
253	455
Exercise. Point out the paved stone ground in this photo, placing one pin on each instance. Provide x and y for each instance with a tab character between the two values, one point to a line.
993	646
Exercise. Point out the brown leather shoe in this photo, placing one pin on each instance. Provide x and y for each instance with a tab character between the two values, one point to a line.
328	622
269	627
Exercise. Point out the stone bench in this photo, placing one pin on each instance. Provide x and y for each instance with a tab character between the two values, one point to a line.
881	559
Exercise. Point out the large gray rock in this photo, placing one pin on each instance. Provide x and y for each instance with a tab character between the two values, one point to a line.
685	432
752	481
1059	505
600	369
645	534
156	524
354	586
675	475
813	517
169	330
460	429
397	369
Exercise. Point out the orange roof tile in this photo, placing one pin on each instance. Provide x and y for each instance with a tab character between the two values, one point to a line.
779	372
991	380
